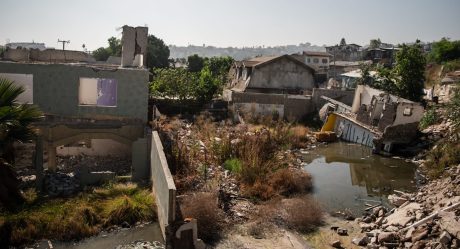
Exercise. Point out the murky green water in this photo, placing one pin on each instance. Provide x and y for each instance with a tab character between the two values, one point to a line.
346	176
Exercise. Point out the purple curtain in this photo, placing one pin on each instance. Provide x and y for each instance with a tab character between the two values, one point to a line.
106	92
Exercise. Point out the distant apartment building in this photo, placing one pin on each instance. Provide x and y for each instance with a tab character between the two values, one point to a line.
318	61
26	45
345	52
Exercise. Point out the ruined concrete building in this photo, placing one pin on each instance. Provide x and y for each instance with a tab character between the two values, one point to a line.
84	101
376	119
269	85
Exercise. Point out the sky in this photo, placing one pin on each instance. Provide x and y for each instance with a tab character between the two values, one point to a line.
235	23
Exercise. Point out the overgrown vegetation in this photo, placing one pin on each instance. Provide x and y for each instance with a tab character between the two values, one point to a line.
254	154
78	217
453	109
443	155
447	151
203	80
430	117
445	50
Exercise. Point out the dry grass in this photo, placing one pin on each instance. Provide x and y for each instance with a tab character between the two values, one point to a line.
441	157
203	207
78	217
288	182
303	214
260	190
253	160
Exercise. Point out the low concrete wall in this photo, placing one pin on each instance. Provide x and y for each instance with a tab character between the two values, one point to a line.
292	107
48	55
162	185
344	96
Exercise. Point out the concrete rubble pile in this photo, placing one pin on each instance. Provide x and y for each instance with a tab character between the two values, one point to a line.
438	131
429	218
140	244
119	165
61	184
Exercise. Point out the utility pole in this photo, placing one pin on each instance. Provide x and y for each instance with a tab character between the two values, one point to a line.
63	43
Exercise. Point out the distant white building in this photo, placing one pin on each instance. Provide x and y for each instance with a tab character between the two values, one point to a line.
26	45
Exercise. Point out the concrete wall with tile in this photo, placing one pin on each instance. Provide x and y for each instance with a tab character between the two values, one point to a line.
292	107
282	74
162	184
56	87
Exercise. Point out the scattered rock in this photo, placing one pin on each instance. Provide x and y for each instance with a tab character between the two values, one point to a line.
342	231
419	233
445	238
387	237
125	225
336	244
396	200
451	223
419	245
361	240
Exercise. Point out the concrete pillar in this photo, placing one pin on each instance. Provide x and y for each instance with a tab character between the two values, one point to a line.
128	46
134	46
142	41
51	157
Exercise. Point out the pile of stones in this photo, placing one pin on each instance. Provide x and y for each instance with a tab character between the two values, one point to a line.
60	184
429	218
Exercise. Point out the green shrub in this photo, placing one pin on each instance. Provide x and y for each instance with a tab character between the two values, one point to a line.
429	118
234	165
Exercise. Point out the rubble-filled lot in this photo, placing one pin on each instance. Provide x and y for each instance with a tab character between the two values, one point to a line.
239	171
426	219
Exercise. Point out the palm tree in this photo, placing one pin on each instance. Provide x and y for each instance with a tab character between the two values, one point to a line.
15	119
15	126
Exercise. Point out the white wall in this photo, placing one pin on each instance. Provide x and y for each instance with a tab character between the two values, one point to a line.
363	96
417	113
87	91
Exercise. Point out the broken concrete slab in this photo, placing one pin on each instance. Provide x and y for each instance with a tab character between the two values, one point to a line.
451	223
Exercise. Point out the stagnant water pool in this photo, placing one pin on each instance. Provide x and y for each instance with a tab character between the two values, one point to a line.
346	176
